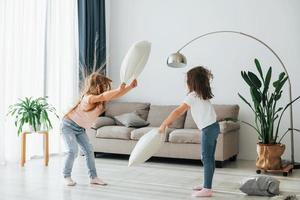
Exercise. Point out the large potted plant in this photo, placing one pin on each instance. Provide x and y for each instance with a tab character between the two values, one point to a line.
267	115
32	115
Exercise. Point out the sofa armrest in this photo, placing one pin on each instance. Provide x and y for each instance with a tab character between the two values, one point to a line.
103	121
228	126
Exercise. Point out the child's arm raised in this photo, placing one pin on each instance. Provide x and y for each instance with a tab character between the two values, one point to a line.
132	85
108	95
173	116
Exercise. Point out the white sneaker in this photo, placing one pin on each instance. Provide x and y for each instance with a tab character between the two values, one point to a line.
69	181
97	181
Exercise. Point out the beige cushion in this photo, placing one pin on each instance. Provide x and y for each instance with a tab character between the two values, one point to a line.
224	112
103	121
114	132
227	126
189	121
194	135
118	108
185	136
136	134
157	114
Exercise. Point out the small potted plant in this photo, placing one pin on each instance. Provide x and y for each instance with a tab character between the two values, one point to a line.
32	115
267	115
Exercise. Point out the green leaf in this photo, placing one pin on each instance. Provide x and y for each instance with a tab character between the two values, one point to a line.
254	79
280	85
253	128
246	79
281	76
278	96
267	80
278	123
278	110
256	97
246	101
258	67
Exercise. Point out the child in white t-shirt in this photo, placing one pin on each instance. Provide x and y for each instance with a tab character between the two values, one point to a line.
203	113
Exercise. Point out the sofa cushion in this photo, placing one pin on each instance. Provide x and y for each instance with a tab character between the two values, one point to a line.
158	113
103	121
114	132
189	122
136	134
227	112
227	126
185	136
223	112
131	120
117	108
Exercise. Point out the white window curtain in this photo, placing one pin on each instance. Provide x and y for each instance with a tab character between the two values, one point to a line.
38	53
62	60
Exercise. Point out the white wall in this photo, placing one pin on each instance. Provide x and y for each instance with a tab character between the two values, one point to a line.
168	24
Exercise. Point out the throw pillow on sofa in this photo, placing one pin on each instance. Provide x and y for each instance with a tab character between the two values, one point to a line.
117	108
131	120
103	121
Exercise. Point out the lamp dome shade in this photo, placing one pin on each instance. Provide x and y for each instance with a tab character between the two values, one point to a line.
176	60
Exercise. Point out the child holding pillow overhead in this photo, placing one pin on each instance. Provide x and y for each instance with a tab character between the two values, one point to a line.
96	93
203	113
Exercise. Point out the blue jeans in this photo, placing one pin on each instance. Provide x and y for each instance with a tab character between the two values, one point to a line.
209	142
74	135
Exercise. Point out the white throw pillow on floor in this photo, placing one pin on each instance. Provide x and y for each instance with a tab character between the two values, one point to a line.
146	147
135	61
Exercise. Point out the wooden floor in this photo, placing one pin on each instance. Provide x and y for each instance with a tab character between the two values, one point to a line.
153	181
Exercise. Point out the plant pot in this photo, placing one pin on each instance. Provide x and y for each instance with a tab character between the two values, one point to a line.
269	156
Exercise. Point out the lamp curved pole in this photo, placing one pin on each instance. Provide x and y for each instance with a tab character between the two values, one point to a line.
280	61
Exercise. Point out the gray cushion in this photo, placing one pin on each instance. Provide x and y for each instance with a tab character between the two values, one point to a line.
131	120
261	186
103	121
185	136
157	114
114	132
138	133
117	108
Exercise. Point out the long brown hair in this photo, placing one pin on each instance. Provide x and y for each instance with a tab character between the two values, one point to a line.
94	84
198	80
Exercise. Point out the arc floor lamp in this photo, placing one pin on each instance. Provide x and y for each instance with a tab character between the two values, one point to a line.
178	60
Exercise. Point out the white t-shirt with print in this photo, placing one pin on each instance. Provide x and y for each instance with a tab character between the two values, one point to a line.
202	111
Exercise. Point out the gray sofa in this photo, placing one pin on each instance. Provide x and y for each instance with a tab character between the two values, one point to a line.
183	138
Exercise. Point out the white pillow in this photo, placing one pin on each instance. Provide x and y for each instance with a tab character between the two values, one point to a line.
146	147
135	61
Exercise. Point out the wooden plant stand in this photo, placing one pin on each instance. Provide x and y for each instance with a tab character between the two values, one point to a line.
45	142
285	170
